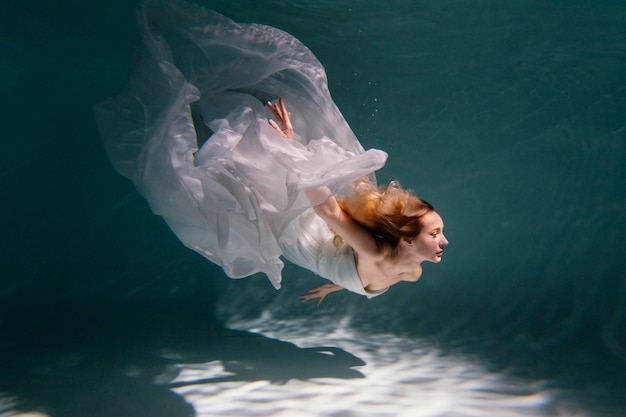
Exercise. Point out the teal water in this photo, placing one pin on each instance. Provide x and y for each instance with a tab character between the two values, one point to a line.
508	116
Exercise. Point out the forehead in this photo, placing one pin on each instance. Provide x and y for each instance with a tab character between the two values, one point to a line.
432	220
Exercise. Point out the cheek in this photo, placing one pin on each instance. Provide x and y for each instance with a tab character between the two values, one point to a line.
427	244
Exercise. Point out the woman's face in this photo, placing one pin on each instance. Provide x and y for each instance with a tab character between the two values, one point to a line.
430	242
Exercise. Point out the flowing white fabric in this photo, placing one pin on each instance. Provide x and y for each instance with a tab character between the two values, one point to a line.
201	78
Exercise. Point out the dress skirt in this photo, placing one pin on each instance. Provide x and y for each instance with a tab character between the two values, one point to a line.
190	129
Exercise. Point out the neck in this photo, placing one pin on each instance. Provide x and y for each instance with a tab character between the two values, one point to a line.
402	260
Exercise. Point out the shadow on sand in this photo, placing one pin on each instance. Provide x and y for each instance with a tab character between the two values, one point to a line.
116	359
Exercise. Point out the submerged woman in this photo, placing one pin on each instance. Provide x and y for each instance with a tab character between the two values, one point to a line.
390	231
191	131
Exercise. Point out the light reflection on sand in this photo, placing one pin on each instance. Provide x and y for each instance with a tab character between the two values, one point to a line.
401	377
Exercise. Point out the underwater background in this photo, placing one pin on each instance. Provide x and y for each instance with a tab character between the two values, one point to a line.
510	117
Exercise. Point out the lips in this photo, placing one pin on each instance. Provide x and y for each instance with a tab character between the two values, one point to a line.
440	253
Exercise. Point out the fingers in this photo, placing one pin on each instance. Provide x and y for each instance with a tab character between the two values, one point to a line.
275	111
288	122
276	128
283	108
310	296
321	291
283	117
321	299
280	112
285	114
306	298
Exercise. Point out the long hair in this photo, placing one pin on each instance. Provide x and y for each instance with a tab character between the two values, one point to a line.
390	213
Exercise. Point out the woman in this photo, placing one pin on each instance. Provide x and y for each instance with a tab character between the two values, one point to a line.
390	231
190	130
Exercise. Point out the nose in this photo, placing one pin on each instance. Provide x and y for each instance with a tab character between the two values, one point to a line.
444	241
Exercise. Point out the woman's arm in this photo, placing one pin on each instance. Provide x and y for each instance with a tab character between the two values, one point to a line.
356	236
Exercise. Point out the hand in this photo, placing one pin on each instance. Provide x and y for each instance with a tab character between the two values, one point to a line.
320	292
284	118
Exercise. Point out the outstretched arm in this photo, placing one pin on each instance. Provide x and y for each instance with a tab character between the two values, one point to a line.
320	292
356	236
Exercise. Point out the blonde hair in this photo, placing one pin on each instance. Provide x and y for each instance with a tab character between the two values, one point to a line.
390	213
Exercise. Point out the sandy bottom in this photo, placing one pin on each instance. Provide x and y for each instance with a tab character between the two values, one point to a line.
376	376
270	367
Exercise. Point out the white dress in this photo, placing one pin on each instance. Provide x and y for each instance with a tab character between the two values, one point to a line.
190	130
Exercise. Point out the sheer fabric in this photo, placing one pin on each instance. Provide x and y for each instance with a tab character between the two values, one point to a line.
190	130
